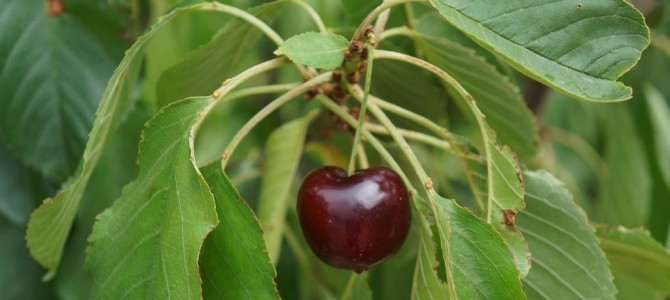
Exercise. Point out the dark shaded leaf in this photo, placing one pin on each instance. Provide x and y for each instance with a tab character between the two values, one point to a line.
54	70
637	257
624	194
283	150
19	275
498	99
203	69
50	223
234	261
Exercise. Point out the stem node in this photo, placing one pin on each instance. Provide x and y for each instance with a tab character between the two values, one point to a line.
429	184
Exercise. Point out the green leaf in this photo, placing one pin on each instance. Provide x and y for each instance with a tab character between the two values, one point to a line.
480	264
636	256
624	194
629	290
578	48
174	42
427	284
319	50
50	224
659	115
567	262
283	150
434	25
117	167
505	191
504	185
203	69
498	99
360	290
148	243
234	262
53	72
664	25
497	179
651	117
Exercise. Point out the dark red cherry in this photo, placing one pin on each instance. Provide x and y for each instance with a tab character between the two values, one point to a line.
354	222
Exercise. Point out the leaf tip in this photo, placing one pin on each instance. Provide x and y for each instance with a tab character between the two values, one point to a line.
49	275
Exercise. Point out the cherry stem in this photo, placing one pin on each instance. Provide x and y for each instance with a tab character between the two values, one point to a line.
412	135
396	31
312	14
469	101
409	13
258	23
376	12
382	19
374	142
362	158
404	146
220	93
414	117
440	132
267	110
309	72
404	31
361	114
261	90
250	18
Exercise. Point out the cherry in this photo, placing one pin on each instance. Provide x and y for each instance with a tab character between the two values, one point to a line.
354	222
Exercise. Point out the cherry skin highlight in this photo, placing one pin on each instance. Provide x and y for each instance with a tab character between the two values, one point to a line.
354	222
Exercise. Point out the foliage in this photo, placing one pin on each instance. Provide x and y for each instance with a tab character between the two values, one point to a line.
182	183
